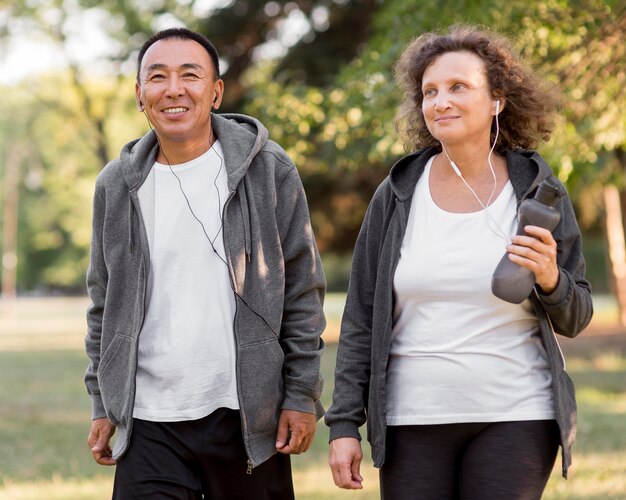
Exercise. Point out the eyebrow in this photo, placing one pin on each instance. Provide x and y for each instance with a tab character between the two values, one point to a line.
158	66
450	80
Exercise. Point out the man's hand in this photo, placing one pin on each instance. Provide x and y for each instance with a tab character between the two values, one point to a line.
99	436
345	463
295	432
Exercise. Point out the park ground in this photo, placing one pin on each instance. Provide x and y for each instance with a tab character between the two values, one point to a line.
45	412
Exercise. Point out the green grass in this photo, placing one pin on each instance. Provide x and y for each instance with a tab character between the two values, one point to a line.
45	417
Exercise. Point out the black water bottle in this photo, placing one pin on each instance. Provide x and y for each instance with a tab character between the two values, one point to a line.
510	281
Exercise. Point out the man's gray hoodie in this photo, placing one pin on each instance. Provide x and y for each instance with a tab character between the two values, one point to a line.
274	268
365	339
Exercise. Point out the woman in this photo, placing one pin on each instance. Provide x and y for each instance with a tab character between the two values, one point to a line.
465	395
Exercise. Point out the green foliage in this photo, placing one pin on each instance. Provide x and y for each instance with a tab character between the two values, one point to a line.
344	132
330	101
337	269
55	140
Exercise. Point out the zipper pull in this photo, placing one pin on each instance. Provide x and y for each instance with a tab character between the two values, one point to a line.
249	469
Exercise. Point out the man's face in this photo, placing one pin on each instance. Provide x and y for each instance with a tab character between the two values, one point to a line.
177	90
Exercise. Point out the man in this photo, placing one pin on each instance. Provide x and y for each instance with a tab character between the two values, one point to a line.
207	290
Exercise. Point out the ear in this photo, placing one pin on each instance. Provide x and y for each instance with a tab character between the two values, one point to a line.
498	106
138	99
218	94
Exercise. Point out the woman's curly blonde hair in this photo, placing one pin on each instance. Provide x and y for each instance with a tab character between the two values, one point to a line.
527	116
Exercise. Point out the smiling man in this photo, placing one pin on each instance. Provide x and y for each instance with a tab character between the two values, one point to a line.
207	290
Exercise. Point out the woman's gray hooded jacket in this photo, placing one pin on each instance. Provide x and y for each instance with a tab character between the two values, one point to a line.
274	267
361	371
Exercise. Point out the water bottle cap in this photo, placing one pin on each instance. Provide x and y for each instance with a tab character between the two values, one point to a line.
548	193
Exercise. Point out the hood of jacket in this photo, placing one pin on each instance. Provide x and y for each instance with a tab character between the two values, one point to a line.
526	170
241	137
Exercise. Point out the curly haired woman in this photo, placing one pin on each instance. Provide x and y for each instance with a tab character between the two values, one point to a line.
465	395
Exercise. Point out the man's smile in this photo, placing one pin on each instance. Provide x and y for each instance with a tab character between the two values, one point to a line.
176	110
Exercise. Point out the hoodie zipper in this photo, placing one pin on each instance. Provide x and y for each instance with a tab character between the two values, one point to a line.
231	274
556	339
145	264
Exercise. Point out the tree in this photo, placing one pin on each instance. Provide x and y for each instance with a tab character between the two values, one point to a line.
345	129
54	210
580	45
56	165
328	96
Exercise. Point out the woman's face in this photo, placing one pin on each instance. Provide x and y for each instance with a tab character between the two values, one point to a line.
458	106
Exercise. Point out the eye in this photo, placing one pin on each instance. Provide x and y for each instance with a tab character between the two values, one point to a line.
190	76
156	76
458	86
429	92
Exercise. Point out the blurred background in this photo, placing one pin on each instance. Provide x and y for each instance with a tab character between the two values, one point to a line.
318	74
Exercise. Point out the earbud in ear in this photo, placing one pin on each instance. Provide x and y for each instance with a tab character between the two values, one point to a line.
140	106
497	107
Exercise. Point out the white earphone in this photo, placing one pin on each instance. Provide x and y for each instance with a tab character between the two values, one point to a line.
497	107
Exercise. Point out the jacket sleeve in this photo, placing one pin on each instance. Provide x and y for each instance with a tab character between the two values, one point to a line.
353	369
303	318
97	277
569	306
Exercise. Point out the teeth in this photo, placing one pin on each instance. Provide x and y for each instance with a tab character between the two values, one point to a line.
175	110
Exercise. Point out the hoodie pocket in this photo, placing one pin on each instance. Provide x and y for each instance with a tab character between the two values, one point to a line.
262	384
114	379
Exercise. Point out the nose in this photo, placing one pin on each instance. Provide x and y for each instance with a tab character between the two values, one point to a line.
175	87
442	101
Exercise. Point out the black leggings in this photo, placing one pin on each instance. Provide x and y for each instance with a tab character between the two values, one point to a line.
472	461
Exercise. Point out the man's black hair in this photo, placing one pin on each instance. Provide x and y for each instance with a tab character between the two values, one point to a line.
181	34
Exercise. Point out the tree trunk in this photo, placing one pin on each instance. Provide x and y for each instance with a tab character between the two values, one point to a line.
9	224
616	246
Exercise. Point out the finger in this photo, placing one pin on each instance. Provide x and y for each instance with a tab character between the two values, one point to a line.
102	443
533	249
341	478
96	442
92	439
356	470
539	232
298	435
307	442
525	260
348	481
532	259
282	434
294	447
107	461
104	457
532	242
336	476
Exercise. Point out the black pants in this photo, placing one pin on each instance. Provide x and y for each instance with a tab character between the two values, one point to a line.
483	461
197	459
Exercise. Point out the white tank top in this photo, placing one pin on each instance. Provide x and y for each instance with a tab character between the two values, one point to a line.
186	366
458	353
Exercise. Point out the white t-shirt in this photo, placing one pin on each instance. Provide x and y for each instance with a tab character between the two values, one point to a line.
186	366
458	353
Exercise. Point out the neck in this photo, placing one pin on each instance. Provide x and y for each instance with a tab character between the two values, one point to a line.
175	153
470	159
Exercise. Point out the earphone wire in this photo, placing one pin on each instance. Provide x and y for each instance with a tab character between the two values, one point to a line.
221	217
491	222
